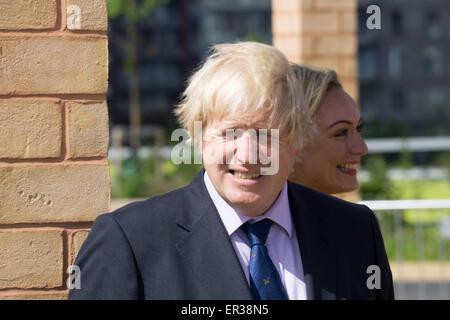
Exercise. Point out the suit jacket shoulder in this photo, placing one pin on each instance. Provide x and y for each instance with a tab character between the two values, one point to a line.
345	237
172	246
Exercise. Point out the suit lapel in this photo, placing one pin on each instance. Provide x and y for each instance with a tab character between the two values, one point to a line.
317	252
204	244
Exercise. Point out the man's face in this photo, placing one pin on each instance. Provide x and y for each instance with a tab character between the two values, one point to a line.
236	150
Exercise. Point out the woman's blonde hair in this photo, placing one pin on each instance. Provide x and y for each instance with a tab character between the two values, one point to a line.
244	78
314	84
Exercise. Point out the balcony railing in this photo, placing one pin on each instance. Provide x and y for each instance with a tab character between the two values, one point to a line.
417	236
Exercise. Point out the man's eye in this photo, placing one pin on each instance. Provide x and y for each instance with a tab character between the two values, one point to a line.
224	133
231	134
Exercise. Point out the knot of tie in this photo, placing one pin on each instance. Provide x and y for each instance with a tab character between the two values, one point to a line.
257	232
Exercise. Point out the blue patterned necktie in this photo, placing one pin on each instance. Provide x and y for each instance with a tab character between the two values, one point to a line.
265	282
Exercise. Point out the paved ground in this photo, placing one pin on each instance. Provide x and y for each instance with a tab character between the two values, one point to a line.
422	290
429	271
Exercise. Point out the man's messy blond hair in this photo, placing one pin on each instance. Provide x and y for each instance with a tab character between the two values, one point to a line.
245	78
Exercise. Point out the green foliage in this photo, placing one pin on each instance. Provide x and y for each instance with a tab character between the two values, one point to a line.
149	177
132	10
422	189
402	237
406	159
442	160
115	8
412	242
379	187
255	37
130	182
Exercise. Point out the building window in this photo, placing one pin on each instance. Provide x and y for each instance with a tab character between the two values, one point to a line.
369	98
448	28
436	97
397	23
230	27
398	99
433	61
367	63
434	100
432	25
395	56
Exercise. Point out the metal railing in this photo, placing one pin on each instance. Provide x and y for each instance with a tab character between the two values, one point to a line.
412	144
417	237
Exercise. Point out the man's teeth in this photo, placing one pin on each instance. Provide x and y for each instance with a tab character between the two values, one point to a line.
347	166
243	175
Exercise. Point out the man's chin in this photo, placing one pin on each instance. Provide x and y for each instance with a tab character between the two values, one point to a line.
246	202
245	197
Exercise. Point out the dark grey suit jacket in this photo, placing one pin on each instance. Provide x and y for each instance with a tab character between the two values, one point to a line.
175	246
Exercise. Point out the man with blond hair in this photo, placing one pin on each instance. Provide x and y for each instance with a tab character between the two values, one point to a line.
240	230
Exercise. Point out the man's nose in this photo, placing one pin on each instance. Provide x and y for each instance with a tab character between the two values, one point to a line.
246	150
358	145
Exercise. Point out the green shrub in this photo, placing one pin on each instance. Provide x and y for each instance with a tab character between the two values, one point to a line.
149	177
379	187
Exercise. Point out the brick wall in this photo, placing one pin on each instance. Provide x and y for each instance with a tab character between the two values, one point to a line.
322	33
54	177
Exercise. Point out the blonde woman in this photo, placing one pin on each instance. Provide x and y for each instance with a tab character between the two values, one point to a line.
332	153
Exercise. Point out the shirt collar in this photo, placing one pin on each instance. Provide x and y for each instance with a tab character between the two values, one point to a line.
279	212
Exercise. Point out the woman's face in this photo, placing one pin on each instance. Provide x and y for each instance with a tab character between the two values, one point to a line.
332	156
